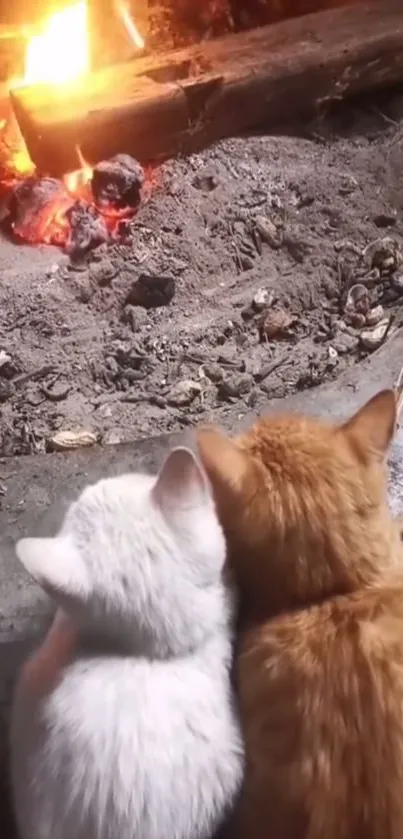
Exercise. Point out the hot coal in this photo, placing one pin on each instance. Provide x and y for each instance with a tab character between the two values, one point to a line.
88	229
151	291
36	209
117	182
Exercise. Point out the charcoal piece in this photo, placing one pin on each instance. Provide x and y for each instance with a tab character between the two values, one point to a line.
117	182
151	291
33	207
88	229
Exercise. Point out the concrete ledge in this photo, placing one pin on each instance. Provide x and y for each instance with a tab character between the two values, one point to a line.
38	489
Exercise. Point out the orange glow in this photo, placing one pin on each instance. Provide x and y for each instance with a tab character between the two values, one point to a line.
78	183
131	28
59	52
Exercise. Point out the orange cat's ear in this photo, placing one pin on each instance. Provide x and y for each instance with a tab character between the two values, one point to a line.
225	463
374	424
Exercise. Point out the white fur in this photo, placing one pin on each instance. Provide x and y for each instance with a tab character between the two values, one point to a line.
123	724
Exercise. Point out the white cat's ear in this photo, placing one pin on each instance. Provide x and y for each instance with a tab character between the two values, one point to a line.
373	426
55	564
181	483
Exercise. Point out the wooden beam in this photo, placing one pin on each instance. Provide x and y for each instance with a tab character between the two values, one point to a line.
160	106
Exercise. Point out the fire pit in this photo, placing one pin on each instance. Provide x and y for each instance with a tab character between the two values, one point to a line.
193	279
92	98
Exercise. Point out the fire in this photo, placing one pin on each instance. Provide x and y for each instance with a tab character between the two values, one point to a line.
59	53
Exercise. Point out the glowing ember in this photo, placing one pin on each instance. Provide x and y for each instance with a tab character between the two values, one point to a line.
59	53
70	212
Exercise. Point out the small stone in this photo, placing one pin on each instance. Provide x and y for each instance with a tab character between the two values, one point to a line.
135	317
157	400
235	386
356	319
344	343
384	220
397	283
375	315
262	299
213	372
183	393
6	391
297	248
275	324
385	255
9	367
267	231
371	339
205	182
358	300
333	354
246	262
4	358
113	437
83	289
65	440
103	272
248	312
151	291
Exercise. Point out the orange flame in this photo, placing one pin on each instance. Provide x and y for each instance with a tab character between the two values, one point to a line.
59	53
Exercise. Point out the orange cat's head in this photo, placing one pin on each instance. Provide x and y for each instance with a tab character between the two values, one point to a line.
303	504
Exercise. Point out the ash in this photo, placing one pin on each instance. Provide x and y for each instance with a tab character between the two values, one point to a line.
87	229
253	246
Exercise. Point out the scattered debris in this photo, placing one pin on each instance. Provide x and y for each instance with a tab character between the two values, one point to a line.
151	291
87	229
235	386
358	300
262	299
205	183
213	372
384	254
183	393
375	315
103	272
275	324
65	440
268	232
135	316
371	339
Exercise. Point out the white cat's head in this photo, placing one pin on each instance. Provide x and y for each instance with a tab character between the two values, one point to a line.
139	557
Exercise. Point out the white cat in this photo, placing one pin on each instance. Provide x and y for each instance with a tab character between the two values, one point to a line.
123	722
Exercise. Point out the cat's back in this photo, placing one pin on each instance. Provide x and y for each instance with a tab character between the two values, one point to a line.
165	729
321	694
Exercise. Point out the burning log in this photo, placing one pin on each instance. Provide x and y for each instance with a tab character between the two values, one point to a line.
153	107
43	209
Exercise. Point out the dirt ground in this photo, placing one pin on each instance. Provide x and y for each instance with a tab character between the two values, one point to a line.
277	264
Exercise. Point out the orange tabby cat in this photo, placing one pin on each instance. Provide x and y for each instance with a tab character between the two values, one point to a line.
319	563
